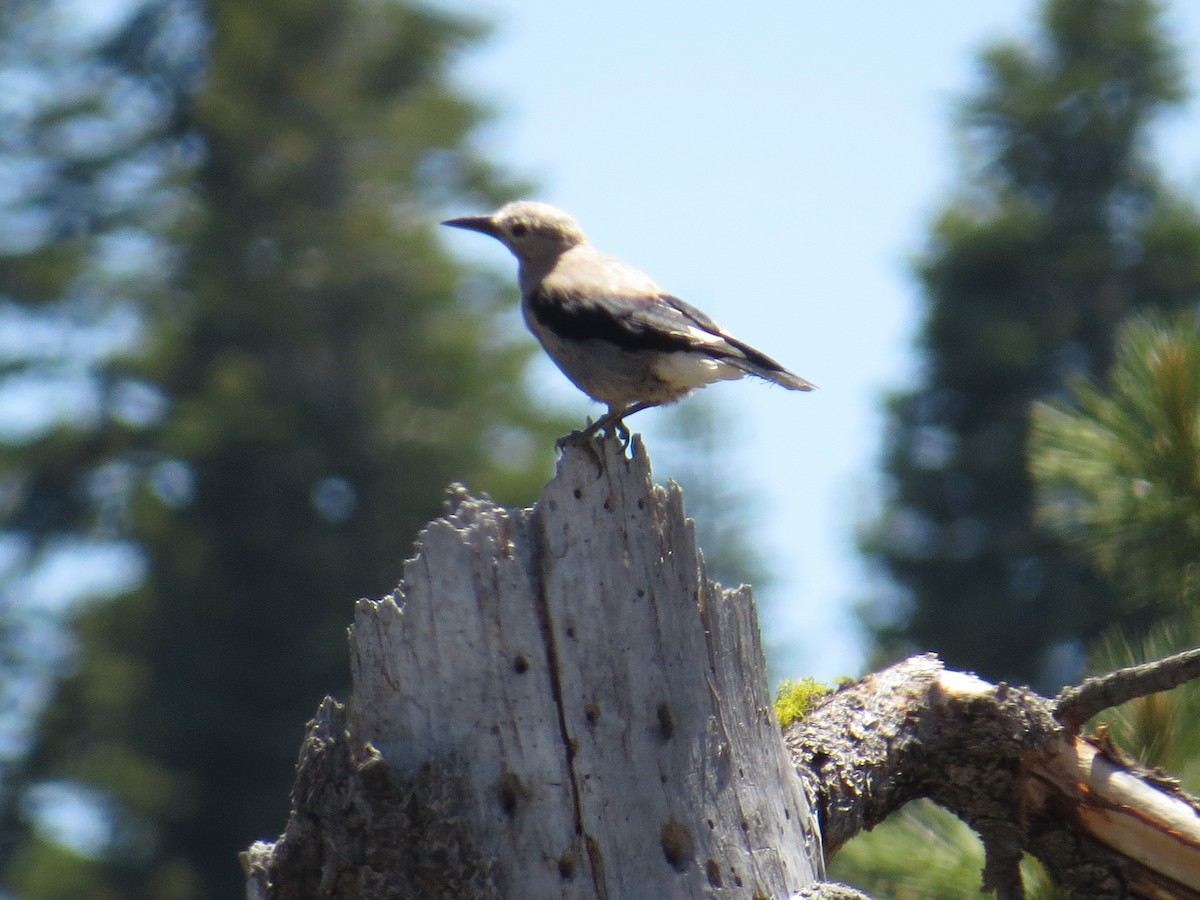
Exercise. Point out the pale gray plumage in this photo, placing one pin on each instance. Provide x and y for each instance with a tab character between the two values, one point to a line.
615	333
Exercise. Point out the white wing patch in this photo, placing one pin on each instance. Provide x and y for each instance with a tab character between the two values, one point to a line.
700	336
692	370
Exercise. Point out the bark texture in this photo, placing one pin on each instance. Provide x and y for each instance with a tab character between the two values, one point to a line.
556	702
999	758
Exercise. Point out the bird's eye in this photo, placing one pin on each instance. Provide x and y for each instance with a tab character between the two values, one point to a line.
520	229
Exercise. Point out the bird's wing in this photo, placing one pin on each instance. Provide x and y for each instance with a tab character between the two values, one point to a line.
630	321
590	296
702	326
650	322
743	355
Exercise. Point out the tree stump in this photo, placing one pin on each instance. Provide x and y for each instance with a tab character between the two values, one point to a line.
556	702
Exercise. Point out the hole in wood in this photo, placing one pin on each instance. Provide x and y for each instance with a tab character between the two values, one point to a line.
666	722
578	492
521	665
510	792
566	866
713	871
592	713
677	844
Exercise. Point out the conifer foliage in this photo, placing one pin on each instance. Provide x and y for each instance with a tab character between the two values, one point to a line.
1060	229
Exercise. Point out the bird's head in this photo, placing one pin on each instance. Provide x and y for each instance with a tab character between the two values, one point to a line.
532	231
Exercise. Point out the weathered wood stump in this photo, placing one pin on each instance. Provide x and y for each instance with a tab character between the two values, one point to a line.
556	702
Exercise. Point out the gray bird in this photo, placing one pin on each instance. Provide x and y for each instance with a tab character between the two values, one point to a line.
616	334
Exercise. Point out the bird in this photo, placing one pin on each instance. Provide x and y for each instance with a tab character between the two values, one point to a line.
618	336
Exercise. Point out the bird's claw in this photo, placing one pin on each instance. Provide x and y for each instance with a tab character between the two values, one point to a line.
574	439
620	431
586	438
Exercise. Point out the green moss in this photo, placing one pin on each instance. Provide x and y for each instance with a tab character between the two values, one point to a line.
794	699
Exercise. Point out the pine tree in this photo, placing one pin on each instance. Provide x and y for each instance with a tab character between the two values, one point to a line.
924	851
90	157
1060	229
1117	473
1118	470
326	371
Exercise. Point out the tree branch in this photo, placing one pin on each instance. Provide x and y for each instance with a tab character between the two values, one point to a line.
997	758
1076	705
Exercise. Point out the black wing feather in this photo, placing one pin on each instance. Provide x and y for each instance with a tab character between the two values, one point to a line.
631	323
757	357
659	323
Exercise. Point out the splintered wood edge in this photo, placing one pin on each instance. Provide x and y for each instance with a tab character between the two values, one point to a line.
1120	810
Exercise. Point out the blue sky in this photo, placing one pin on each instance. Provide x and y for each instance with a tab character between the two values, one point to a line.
777	166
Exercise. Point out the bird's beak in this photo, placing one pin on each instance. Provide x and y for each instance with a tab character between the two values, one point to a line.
482	224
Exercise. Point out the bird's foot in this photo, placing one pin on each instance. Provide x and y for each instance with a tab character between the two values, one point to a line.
620	431
611	425
580	437
574	439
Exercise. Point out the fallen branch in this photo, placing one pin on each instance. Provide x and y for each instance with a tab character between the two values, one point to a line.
996	757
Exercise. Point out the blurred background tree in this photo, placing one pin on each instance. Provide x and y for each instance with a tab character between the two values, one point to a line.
923	851
1060	228
1118	470
695	454
90	160
255	370
302	370
1060	231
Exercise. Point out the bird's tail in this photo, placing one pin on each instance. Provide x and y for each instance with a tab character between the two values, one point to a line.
759	364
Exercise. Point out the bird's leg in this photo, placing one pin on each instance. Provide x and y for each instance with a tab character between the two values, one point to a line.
582	439
575	438
614	422
593	428
605	422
